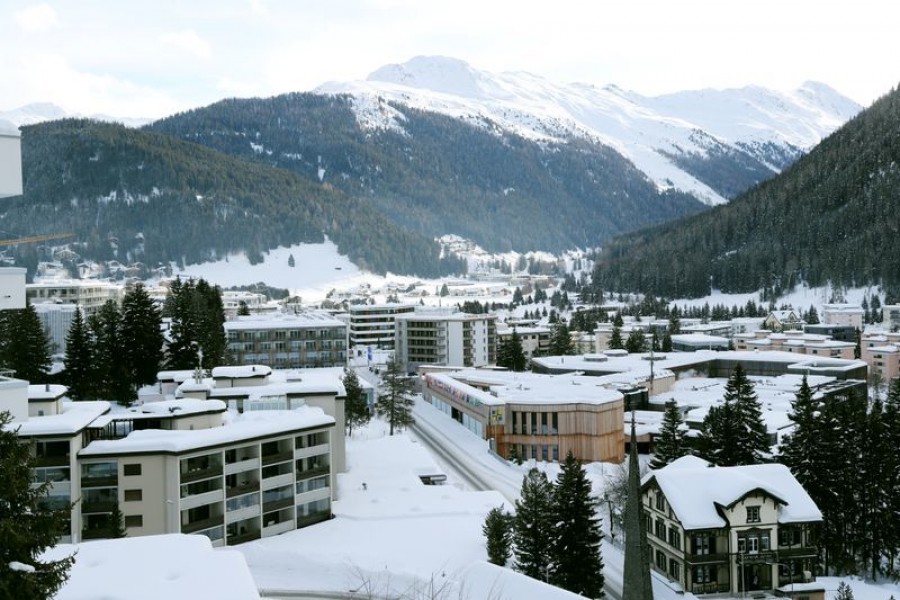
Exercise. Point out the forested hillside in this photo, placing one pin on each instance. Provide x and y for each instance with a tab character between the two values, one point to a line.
135	195
832	216
436	174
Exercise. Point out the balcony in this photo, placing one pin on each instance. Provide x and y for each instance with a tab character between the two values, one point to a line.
198	474
710	588
97	507
243	537
702	559
99	482
99	533
244	488
196	526
316	472
52	461
278	504
277	457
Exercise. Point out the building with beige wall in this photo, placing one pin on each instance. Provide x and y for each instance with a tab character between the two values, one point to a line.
881	351
287	341
796	342
732	530
89	294
533	416
445	337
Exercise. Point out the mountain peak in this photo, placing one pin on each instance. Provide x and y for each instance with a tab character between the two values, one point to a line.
436	73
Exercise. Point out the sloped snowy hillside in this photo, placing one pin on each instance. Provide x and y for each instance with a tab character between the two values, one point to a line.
667	137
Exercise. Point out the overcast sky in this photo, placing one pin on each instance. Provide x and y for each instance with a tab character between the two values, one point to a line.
152	58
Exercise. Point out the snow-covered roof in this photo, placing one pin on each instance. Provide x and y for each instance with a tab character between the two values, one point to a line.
146	568
46	391
695	490
282	321
246	426
180	407
74	417
508	387
241	371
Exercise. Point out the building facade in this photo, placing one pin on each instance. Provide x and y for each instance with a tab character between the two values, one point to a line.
284	341
731	530
445	337
89	294
375	324
533	416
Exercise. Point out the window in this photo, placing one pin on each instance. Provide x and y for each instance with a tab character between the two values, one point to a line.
660	561
660	529
134	520
134	495
674	538
789	536
660	502
703	544
753	514
704	574
132	470
674	569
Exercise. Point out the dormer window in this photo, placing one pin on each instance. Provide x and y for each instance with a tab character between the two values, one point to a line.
753	514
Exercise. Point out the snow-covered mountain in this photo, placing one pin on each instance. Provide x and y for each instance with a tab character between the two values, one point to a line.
672	138
39	112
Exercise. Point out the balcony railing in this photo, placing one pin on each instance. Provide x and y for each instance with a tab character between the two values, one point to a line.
96	482
277	457
244	488
316	472
710	588
196	526
51	461
98	533
696	559
97	507
243	537
277	504
198	474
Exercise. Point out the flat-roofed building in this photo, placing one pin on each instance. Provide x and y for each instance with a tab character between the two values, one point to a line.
89	294
535	339
375	324
10	160
445	337
533	416
288	341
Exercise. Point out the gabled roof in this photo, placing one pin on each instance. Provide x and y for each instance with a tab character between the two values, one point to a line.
695	489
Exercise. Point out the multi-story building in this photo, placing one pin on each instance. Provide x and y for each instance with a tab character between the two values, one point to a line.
445	337
890	319
794	341
881	351
10	160
375	324
314	339
56	320
850	315
89	294
535	339
533	416
732	530
182	466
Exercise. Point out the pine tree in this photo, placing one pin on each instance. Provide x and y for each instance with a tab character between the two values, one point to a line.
79	373
666	345
892	469
671	443
844	592
577	563
23	344
356	410
615	339
117	522
514	358
812	317
799	450
498	534
740	391
113	382
141	337
533	528
243	310
636	342
718	439
394	399
560	341
198	324
873	493
28	526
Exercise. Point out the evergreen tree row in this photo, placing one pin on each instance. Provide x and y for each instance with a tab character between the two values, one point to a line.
843	451
198	325
24	346
555	534
111	354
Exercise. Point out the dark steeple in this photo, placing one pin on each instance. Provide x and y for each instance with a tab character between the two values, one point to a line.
637	552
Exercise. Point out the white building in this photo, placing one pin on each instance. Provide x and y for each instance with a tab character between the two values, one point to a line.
10	160
89	294
313	339
445	337
842	314
56	320
375	324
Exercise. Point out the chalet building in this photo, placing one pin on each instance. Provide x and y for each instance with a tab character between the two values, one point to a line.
533	416
732	530
783	320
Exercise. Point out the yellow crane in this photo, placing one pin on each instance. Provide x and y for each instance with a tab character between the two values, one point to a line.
34	238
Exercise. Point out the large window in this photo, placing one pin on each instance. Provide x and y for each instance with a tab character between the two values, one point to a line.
703	544
753	514
704	574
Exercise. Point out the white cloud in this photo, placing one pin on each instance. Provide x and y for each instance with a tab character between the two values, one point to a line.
188	41
37	18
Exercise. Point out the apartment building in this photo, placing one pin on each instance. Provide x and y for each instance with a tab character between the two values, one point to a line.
375	324
89	294
10	160
184	465
881	351
535	339
288	341
732	530
445	337
794	341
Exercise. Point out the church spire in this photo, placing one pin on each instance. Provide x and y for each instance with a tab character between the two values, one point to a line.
636	581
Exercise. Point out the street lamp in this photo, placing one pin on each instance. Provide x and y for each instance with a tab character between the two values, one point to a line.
608	500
